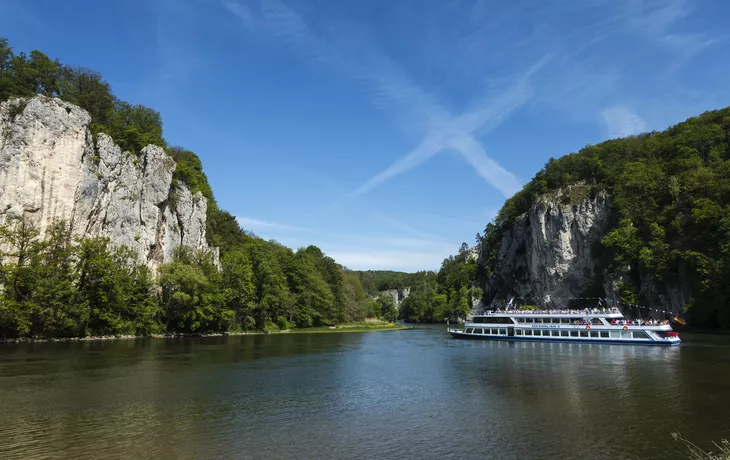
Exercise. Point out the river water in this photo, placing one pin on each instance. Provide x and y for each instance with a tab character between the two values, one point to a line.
415	394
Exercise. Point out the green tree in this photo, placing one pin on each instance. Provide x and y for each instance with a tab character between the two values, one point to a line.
238	288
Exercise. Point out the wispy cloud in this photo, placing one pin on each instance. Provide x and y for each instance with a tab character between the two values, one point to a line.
657	19
621	121
345	47
257	225
423	252
394	259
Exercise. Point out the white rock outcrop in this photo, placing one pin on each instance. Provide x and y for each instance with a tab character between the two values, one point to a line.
546	257
398	295
51	169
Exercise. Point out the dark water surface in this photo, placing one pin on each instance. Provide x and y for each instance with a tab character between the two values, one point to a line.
413	394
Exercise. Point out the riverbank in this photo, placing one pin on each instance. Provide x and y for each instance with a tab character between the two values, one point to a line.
345	327
349	327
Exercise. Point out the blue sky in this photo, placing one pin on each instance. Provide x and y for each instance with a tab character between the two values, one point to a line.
388	132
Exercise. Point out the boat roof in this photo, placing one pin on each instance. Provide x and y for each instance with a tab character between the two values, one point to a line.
555	314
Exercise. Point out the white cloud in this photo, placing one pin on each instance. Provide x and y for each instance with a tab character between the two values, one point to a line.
258	225
656	20
424	252
621	121
389	260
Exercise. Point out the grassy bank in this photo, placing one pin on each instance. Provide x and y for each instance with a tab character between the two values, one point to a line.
345	327
349	327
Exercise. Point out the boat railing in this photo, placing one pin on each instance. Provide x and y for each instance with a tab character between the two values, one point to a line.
589	311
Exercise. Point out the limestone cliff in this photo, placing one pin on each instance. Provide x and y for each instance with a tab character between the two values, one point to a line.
52	168
547	256
398	295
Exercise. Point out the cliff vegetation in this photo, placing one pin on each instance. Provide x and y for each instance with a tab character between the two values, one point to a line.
667	240
57	284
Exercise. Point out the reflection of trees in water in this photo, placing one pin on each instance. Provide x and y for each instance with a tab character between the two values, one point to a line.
164	396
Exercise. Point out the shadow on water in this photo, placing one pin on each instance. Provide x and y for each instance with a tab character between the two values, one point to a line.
408	394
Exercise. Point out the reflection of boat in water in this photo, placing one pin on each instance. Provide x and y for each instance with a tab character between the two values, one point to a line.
596	325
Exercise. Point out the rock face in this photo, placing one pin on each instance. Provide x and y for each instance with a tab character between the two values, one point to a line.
51	169
398	295
546	257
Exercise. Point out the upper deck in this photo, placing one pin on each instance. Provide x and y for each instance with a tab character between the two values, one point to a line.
612	313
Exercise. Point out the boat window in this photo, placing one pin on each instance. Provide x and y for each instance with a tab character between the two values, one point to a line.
604	334
555	333
469	330
638	334
574	333
594	333
483	331
528	332
479	319
615	334
584	333
564	321
498	320
563	333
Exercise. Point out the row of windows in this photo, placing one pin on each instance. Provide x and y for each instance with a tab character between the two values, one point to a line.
593	334
556	320
491	320
554	333
470	330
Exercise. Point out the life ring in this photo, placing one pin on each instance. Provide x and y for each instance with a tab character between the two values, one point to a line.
588	328
626	328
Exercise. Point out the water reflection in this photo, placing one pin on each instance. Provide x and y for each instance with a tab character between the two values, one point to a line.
411	394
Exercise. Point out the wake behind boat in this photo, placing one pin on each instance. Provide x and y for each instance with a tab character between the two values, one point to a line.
605	325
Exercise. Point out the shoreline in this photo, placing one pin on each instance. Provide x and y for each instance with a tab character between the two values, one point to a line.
309	330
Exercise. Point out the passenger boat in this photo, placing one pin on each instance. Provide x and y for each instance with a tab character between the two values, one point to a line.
603	325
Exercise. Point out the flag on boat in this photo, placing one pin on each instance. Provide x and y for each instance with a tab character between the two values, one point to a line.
679	320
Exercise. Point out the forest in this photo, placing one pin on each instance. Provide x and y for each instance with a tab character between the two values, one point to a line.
60	285
670	208
448	294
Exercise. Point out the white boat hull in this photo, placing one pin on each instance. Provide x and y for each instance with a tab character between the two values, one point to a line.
460	334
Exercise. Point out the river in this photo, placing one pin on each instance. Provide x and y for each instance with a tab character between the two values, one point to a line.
415	394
